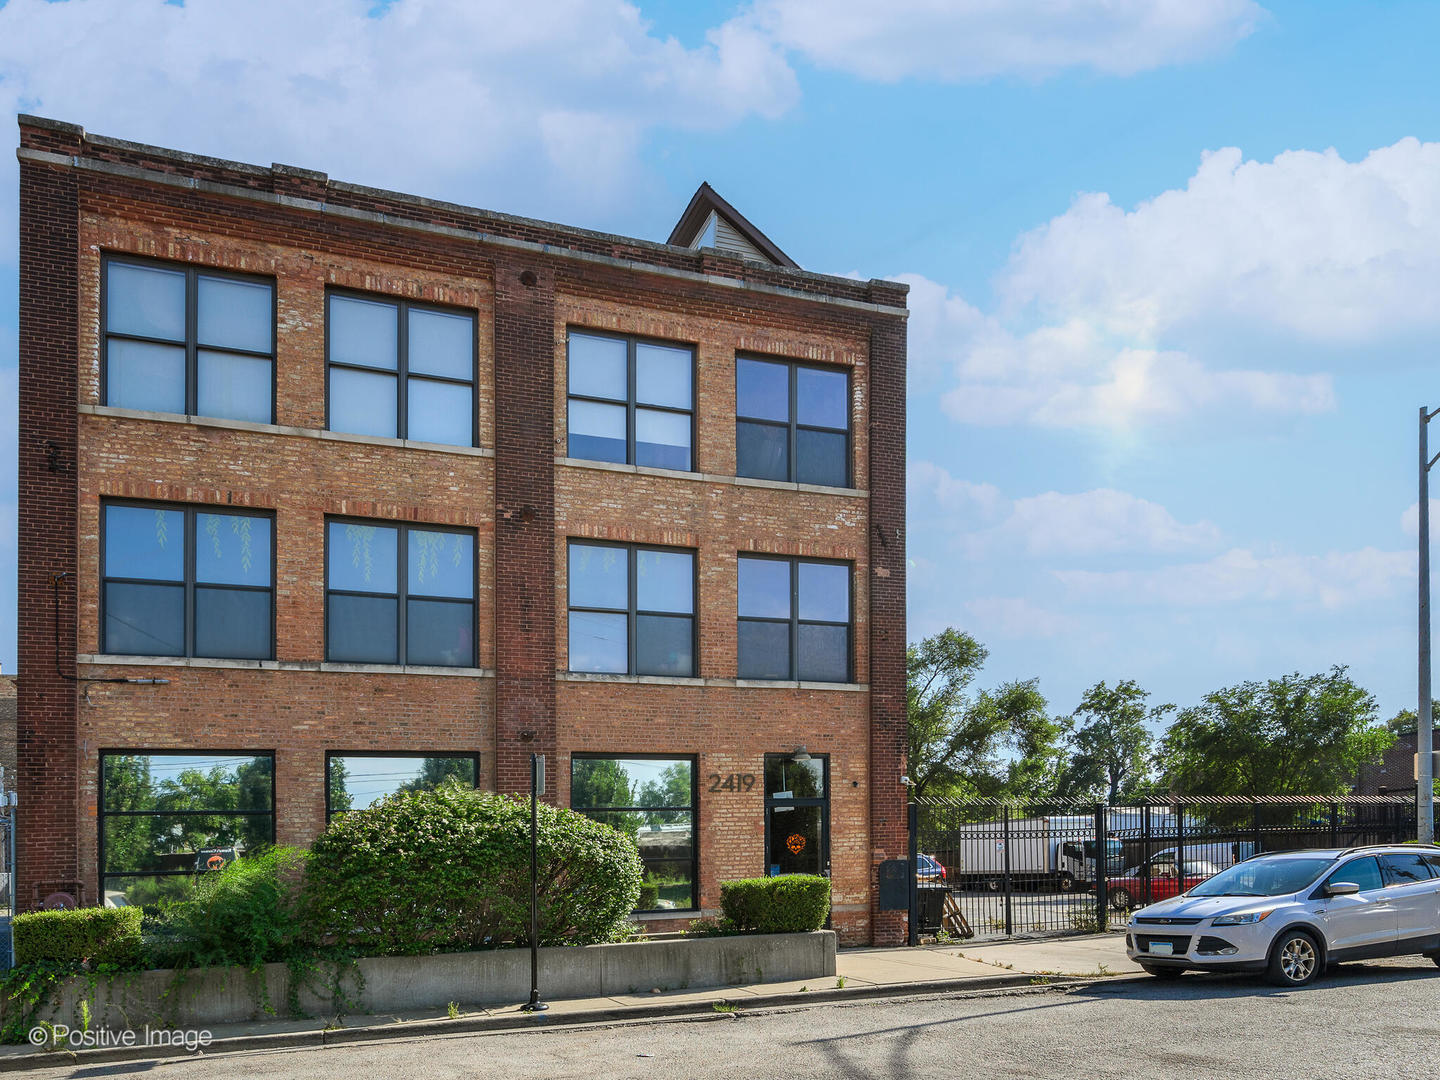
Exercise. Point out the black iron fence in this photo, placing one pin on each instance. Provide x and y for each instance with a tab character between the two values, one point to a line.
991	869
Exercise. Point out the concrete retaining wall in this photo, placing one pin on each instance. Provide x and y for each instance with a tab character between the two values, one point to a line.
415	983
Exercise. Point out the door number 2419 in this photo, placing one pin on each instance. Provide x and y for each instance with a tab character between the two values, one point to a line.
731	781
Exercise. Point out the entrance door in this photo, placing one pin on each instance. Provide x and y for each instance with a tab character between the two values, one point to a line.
797	814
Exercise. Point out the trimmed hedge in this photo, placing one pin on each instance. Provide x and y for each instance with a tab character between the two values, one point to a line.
97	935
449	869
787	904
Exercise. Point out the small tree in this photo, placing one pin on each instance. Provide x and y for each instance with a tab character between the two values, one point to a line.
1112	742
957	739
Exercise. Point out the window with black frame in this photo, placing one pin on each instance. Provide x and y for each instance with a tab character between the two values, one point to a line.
186	581
651	800
792	422
167	818
630	401
399	594
181	339
632	609
794	619
400	370
797	813
357	781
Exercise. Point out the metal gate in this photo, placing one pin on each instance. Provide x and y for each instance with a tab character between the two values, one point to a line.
987	869
7	873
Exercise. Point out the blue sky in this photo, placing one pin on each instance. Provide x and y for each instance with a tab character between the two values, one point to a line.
1174	263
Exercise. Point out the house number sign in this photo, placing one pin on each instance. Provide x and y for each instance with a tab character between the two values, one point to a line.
731	781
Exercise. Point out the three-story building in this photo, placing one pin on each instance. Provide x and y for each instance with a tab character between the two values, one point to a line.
327	492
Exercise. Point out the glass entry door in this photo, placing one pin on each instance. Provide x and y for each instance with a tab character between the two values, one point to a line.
797	814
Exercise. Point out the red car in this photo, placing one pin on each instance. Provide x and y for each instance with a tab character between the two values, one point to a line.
1128	890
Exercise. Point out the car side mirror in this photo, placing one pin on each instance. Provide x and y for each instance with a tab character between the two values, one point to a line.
1341	888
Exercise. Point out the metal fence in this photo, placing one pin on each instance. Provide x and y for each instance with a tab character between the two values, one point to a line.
991	869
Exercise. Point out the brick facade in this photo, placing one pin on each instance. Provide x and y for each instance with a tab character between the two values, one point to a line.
522	497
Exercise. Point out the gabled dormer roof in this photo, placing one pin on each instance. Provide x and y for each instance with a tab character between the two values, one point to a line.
710	221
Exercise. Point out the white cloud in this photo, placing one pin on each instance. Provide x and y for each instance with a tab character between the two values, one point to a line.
1338	579
540	108
1017	617
1100	521
1308	244
1410	520
955	40
1114	319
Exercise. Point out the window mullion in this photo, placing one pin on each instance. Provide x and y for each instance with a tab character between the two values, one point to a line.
632	621
632	391
402	592
794	438
402	370
188	561
192	334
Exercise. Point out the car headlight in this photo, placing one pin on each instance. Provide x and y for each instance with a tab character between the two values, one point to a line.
1243	919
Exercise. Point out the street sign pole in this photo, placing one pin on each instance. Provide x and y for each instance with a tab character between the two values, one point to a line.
1424	720
537	785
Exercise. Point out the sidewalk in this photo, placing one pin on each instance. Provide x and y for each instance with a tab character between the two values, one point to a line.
862	972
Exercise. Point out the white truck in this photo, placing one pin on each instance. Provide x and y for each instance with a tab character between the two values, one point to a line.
1056	852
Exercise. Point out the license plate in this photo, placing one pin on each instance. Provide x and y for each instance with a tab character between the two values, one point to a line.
1162	948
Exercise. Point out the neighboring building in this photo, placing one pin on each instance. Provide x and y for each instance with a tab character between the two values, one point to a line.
1396	771
326	491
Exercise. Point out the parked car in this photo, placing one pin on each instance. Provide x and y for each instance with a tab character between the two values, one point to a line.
1163	875
929	870
1291	914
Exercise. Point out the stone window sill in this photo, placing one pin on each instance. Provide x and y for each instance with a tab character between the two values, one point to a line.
710	478
661	680
282	429
108	660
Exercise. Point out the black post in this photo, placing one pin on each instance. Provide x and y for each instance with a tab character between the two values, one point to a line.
1102	890
1145	861
1334	824
537	781
1009	916
1255	827
914	897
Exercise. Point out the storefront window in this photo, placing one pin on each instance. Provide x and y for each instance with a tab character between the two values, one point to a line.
358	781
166	818
651	800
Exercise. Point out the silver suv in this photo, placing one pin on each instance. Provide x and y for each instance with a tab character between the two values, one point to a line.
1291	914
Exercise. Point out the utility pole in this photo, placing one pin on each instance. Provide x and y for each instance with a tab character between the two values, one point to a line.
1424	721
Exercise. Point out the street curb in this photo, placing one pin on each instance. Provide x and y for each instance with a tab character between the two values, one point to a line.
515	1020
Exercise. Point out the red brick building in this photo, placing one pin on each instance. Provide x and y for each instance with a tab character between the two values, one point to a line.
327	491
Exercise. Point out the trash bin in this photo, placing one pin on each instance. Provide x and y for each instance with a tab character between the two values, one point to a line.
932	907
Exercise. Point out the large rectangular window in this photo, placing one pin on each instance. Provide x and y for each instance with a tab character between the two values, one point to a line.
400	370
632	609
399	591
184	340
631	401
186	581
651	800
164	818
794	619
357	781
792	422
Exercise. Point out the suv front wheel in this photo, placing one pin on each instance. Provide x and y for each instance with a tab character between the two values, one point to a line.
1294	960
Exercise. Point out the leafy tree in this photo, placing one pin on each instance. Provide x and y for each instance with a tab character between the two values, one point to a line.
599	782
1296	735
1112	743
957	738
434	771
340	798
672	788
1405	722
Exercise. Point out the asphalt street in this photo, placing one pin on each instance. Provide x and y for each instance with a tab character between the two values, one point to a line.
1362	1020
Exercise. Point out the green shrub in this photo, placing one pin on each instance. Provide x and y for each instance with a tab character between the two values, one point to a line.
449	869
99	935
788	904
649	896
248	913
